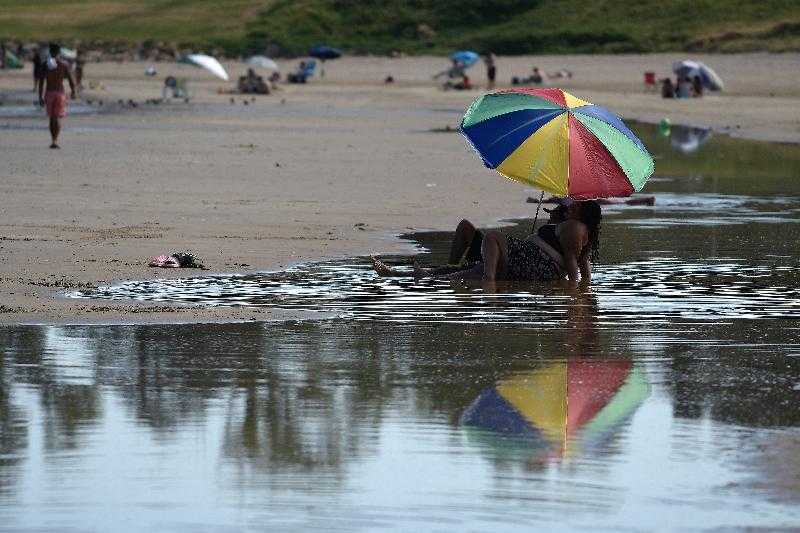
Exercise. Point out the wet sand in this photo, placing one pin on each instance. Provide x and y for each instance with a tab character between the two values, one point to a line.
332	169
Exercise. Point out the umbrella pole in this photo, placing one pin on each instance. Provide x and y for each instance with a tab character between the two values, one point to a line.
538	206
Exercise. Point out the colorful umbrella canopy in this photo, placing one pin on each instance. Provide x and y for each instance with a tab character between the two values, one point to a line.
554	141
206	62
580	400
708	77
465	57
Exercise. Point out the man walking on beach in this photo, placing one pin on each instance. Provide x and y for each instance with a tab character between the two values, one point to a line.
54	98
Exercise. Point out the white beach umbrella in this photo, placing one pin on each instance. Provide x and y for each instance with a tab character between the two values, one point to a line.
262	62
68	53
208	63
710	79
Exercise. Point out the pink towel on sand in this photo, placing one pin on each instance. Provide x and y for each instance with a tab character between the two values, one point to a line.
165	261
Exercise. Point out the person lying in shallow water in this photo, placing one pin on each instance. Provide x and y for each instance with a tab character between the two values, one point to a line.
556	251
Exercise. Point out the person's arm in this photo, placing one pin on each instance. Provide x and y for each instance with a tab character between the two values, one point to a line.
585	267
571	266
572	239
41	90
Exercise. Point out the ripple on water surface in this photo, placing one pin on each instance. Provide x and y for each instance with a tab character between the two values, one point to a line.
656	290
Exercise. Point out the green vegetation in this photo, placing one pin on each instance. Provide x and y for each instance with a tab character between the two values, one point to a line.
417	26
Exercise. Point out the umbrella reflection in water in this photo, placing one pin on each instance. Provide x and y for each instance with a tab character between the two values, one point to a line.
688	139
557	411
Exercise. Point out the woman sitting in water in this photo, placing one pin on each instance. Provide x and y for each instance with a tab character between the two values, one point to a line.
557	250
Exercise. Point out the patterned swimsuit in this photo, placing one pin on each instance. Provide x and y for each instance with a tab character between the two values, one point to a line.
528	262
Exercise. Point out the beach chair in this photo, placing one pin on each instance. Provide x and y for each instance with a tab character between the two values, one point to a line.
182	89
650	81
175	88
303	73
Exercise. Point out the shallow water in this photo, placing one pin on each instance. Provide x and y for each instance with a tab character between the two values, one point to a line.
31	111
666	397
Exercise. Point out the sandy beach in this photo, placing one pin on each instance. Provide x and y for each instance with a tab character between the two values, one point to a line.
335	168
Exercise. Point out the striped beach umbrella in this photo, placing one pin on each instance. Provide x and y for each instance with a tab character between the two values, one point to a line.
558	143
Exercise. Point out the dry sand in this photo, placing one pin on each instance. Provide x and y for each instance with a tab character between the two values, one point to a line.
334	168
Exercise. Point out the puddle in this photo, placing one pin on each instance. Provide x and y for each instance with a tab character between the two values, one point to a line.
19	111
366	425
666	397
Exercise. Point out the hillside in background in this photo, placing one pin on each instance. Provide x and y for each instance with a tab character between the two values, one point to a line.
289	27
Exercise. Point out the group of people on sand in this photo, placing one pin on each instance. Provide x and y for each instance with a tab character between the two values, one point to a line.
252	83
683	87
457	78
562	249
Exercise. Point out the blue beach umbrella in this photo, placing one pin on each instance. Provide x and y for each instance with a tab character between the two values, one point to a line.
324	52
465	57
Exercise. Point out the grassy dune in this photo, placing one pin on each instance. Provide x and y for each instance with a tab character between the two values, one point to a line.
173	21
417	26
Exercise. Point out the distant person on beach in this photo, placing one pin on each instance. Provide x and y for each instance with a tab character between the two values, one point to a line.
684	89
667	88
39	70
491	69
567	250
560	74
304	71
697	87
462	85
54	98
535	78
455	71
80	61
252	83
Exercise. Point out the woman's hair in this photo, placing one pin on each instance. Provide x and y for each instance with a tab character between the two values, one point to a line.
591	215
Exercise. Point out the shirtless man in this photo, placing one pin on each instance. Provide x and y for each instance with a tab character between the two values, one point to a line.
54	98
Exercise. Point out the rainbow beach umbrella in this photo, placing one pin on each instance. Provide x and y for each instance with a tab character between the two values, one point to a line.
558	143
560	409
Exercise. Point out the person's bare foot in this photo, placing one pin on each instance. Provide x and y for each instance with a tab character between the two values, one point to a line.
380	267
54	146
